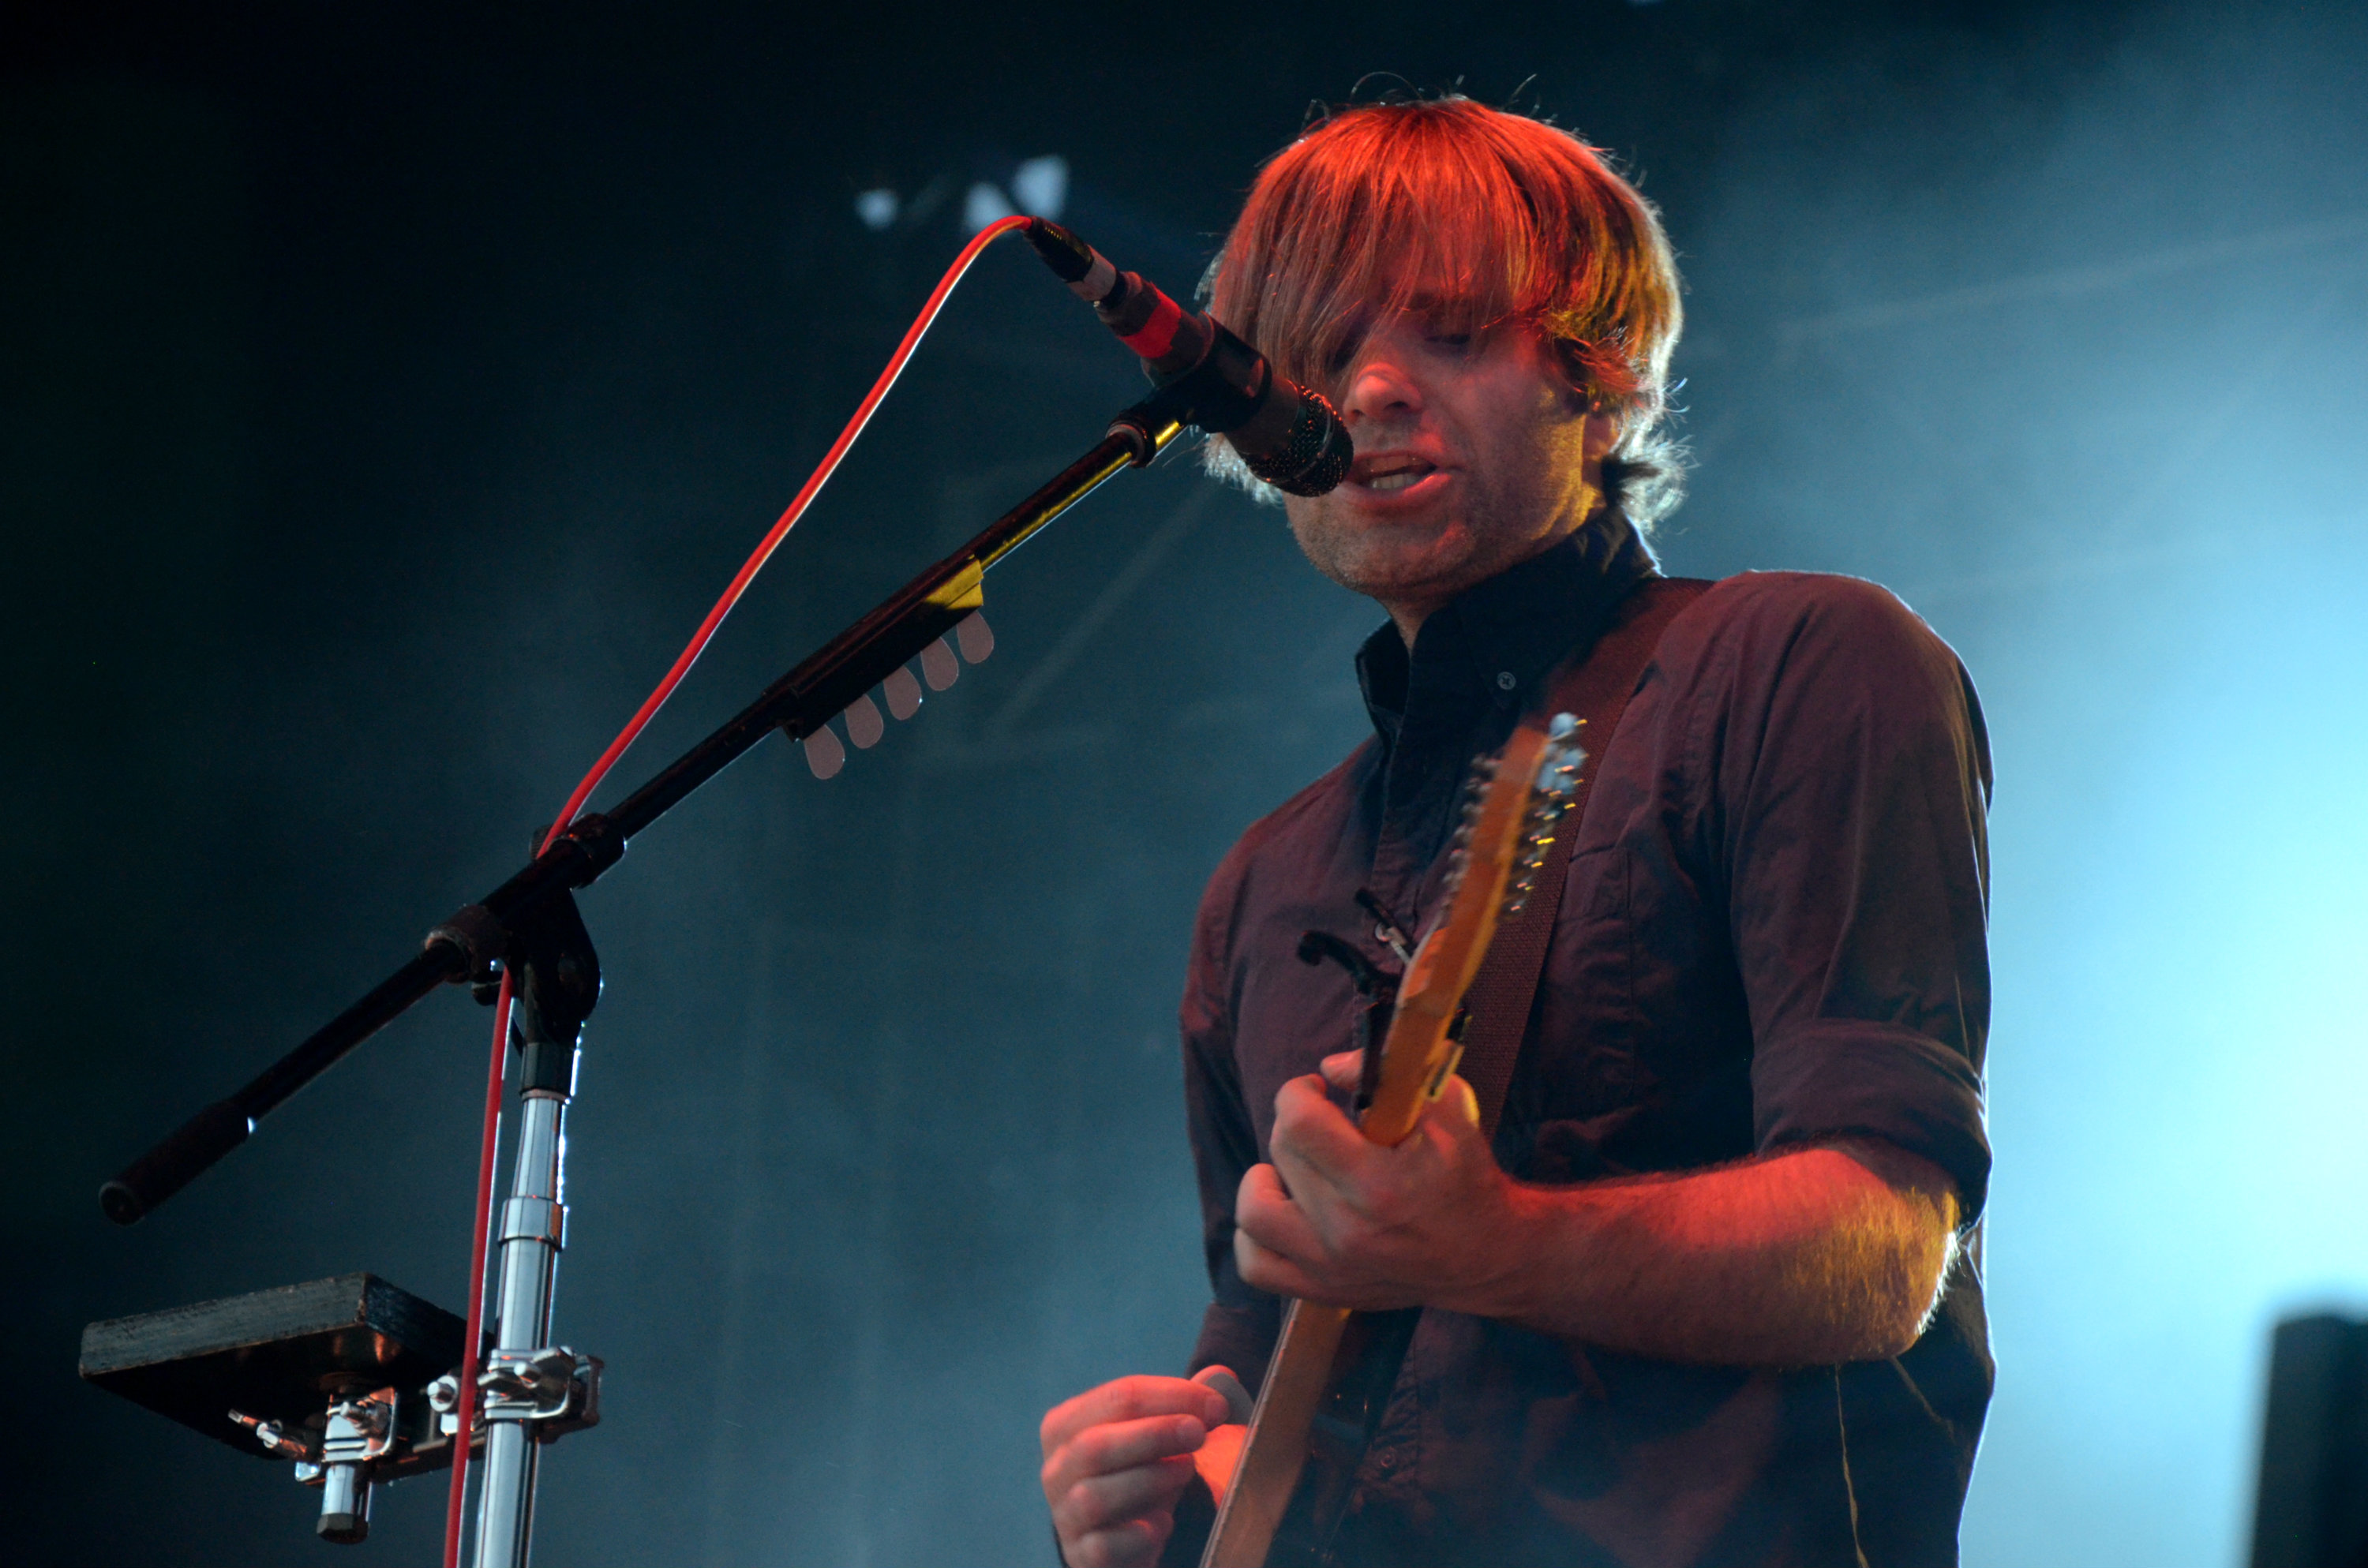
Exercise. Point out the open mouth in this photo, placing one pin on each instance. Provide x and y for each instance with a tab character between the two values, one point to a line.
1391	471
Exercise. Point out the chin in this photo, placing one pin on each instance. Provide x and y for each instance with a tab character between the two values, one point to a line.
1406	559
1400	584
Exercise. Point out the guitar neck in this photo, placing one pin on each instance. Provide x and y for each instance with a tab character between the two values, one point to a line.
1268	1472
1331	1372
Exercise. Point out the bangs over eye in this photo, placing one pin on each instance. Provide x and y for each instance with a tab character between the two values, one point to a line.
1465	217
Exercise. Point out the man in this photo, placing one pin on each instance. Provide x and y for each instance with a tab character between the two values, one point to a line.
1703	1301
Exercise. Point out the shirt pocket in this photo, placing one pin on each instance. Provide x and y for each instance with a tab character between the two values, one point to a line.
1582	1075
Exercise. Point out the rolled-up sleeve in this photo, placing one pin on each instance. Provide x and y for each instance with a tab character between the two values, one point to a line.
1852	780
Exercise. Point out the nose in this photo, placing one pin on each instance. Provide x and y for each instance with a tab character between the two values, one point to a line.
1380	385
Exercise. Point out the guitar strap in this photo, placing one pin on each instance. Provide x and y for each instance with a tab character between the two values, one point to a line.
1595	690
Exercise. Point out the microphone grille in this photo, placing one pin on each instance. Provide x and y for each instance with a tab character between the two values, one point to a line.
1312	458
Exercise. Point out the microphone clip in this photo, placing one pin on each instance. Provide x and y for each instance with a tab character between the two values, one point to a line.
1286	435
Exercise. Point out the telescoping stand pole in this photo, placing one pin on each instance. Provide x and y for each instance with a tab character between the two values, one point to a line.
530	1386
531	1222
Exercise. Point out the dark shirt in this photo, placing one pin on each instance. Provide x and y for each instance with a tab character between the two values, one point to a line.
1772	934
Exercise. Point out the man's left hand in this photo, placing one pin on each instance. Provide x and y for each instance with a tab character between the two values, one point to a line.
1338	1220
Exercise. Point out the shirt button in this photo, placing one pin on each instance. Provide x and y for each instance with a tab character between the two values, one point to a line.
1505	681
1388	1459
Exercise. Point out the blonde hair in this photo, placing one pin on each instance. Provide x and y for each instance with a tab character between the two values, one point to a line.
1476	218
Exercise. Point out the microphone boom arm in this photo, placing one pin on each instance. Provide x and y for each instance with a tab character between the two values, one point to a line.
468	945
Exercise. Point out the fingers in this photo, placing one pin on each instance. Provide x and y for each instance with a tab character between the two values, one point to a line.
1131	1399
1457	1100
1120	1447
1134	1544
1260	1265
1312	1138
1343	1069
1314	1141
1265	1211
1278	1250
1263	1268
1101	1533
1239	1405
1338	1220
1100	1498
1116	1458
1262	1209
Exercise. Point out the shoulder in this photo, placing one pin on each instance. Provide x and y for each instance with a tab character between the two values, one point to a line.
1789	606
1767	630
1818	661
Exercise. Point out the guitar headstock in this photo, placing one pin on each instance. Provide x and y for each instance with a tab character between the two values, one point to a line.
1552	782
1524	790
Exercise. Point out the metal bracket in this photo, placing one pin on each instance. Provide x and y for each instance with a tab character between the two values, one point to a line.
555	1387
365	1439
361	1431
279	1439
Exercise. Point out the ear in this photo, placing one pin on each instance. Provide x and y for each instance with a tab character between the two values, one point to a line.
1603	433
1604	427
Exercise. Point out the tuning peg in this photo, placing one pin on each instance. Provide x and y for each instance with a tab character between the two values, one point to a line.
904	693
973	637
939	666
864	724
824	754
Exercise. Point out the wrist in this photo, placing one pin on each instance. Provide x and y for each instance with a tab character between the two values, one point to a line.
1503	1278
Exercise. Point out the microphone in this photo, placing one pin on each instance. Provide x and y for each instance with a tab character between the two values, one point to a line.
1286	435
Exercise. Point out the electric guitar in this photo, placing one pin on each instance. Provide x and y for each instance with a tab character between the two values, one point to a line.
1332	1370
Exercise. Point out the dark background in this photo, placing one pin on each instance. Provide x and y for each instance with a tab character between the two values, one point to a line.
388	391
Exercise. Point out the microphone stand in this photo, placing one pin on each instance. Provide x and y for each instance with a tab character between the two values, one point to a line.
530	923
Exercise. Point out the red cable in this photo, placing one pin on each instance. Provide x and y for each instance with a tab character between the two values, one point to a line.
456	1497
455	1500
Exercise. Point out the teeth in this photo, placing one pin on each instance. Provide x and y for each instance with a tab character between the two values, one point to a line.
1398	479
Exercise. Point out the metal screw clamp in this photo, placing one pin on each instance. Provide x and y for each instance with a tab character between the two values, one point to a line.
554	1384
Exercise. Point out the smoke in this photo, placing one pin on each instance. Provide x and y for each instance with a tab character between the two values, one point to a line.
2063	339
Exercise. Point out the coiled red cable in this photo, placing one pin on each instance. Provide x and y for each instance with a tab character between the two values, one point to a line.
496	1070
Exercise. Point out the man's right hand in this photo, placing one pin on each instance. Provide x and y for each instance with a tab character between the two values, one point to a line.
1116	1459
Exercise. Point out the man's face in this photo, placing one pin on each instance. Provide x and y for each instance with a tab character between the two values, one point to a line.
1473	454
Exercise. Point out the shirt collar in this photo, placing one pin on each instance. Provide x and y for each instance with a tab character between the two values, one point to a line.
1495	642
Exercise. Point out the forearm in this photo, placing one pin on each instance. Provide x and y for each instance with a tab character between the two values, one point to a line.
1822	1254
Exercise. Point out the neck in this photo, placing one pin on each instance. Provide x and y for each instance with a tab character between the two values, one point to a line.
1407	614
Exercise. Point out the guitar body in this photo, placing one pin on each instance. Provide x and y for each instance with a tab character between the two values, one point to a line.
1364	1372
1333	1370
